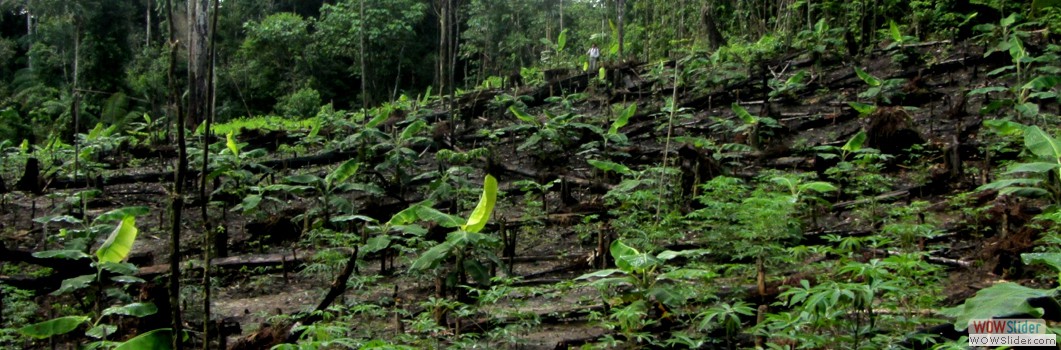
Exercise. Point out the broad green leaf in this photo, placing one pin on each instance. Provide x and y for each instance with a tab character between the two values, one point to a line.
117	246
602	73
598	274
342	173
784	181
1049	259
121	213
377	120
482	211
75	283
1009	20
985	90
1042	83
897	36
614	281
375	244
743	114
1004	127
1003	299
52	327
415	230
796	78
1041	143
687	274
561	41
1004	183
818	186
618	251
869	79
127	279
442	219
348	218
61	254
230	142
638	262
432	257
526	118
1016	48
623	119
101	331
406	216
863	109
412	129
670	254
159	339
610	166
1027	109
302	179
134	309
250	202
1034	167
119	267
855	143
1028	192
57	218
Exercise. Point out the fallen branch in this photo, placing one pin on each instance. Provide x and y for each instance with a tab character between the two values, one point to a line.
928	258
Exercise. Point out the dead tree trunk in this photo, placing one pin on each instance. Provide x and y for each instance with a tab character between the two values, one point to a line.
715	39
176	200
198	62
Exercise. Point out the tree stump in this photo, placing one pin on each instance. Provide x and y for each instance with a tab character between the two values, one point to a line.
31	178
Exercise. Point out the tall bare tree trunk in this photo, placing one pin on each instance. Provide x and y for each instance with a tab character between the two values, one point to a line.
364	70
715	39
454	38
198	61
176	199
29	34
443	55
204	197
147	25
621	11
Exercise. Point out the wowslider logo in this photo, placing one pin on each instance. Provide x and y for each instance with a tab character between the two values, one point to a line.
1013	332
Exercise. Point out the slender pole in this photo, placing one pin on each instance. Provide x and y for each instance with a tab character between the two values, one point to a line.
204	197
364	70
176	199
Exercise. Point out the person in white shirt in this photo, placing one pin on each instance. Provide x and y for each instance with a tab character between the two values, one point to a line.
594	54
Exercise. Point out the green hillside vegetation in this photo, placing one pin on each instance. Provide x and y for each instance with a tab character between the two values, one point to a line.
461	174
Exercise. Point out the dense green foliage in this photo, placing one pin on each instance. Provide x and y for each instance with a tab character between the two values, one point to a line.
692	233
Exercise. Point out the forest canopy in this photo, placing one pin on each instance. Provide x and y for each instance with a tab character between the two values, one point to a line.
290	57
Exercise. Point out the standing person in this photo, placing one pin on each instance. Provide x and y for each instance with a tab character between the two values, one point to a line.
594	54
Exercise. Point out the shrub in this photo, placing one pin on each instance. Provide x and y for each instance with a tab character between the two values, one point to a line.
301	103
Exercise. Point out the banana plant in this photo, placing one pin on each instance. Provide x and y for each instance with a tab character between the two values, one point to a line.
399	155
881	91
1041	175
327	188
641	280
754	126
233	166
555	136
465	243
613	134
108	257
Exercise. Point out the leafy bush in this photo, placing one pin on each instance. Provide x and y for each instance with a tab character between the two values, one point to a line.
302	103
